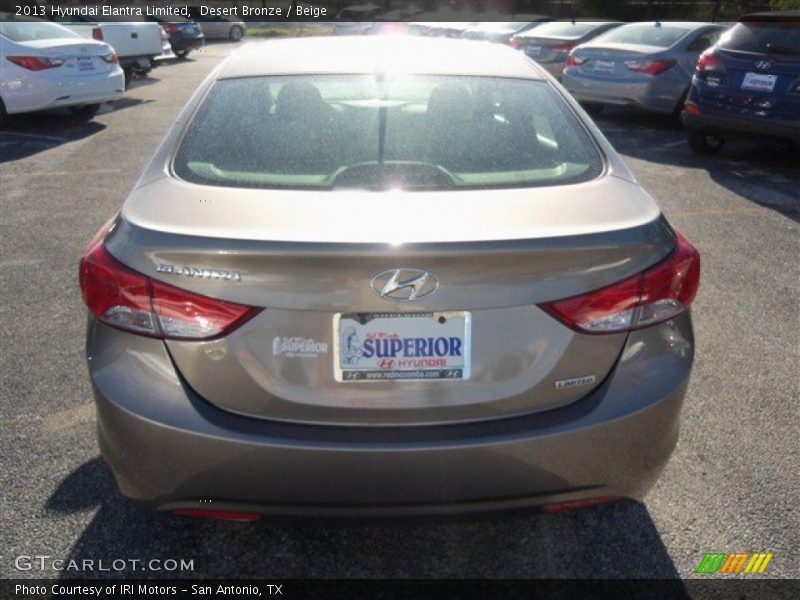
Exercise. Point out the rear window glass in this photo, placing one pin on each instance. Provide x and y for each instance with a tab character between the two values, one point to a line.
20	31
567	30
763	38
662	36
366	132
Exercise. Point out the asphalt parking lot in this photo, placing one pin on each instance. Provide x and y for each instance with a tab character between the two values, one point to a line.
732	484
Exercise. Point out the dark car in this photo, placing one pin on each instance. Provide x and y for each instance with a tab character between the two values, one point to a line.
184	35
748	84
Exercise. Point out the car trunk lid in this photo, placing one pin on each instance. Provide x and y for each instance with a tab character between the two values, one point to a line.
493	266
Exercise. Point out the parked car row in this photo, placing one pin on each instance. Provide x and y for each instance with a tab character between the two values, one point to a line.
80	62
719	79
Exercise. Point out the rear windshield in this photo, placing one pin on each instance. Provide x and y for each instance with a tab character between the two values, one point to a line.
367	132
565	30
645	34
763	38
21	31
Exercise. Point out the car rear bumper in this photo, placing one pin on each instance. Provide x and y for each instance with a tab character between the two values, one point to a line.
45	94
657	94
169	449
783	129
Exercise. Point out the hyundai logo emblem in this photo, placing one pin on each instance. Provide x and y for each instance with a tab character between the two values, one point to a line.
764	64
404	285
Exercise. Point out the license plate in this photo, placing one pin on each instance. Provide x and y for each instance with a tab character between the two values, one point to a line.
533	51
84	64
409	347
604	66
760	82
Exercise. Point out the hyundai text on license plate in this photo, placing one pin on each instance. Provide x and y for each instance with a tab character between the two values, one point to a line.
406	346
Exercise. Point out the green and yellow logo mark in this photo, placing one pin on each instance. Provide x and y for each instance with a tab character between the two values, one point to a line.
737	562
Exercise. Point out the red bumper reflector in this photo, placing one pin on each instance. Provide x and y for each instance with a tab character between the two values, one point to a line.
217	515
576	504
692	108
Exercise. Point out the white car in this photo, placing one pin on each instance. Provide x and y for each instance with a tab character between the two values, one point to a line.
45	65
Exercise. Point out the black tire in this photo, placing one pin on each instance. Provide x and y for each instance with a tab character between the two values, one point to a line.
128	72
3	114
676	117
593	108
85	112
236	33
704	143
182	54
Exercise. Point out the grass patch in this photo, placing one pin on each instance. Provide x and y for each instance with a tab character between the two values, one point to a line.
277	31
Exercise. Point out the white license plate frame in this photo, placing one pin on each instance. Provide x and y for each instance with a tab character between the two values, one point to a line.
604	66
751	82
402	326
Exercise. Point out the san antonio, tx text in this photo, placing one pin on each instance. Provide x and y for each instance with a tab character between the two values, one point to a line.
60	589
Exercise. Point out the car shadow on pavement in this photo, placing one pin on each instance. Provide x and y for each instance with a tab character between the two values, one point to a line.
26	135
612	541
764	173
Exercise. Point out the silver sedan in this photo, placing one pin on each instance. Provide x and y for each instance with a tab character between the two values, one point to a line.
640	65
386	275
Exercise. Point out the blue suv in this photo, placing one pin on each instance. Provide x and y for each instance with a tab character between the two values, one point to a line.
748	84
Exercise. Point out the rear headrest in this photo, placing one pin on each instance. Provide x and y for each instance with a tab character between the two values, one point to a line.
300	100
450	102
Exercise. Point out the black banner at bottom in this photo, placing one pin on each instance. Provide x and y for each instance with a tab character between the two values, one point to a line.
405	589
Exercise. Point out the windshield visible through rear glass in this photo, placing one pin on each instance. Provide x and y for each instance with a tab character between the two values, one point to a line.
373	132
644	34
763	38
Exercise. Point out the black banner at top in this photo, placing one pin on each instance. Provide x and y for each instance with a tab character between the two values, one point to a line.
361	11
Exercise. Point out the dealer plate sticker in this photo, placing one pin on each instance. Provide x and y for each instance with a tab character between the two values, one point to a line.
404	346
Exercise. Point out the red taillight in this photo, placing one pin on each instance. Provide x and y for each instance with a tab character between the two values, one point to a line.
650	67
655	295
573	60
112	58
36	63
692	108
514	43
568	505
562	48
170	28
217	515
97	33
709	61
126	299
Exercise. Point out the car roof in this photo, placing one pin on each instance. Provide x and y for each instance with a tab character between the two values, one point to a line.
778	15
687	25
369	54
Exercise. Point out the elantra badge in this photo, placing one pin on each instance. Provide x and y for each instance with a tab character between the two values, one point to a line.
404	285
199	272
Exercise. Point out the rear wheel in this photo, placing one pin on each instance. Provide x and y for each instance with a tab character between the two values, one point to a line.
128	72
702	142
236	33
3	114
182	54
593	108
85	112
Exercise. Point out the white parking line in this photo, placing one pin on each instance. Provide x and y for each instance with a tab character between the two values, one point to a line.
63	173
67	418
35	136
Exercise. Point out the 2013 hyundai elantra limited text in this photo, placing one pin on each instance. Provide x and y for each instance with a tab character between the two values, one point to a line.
376	276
